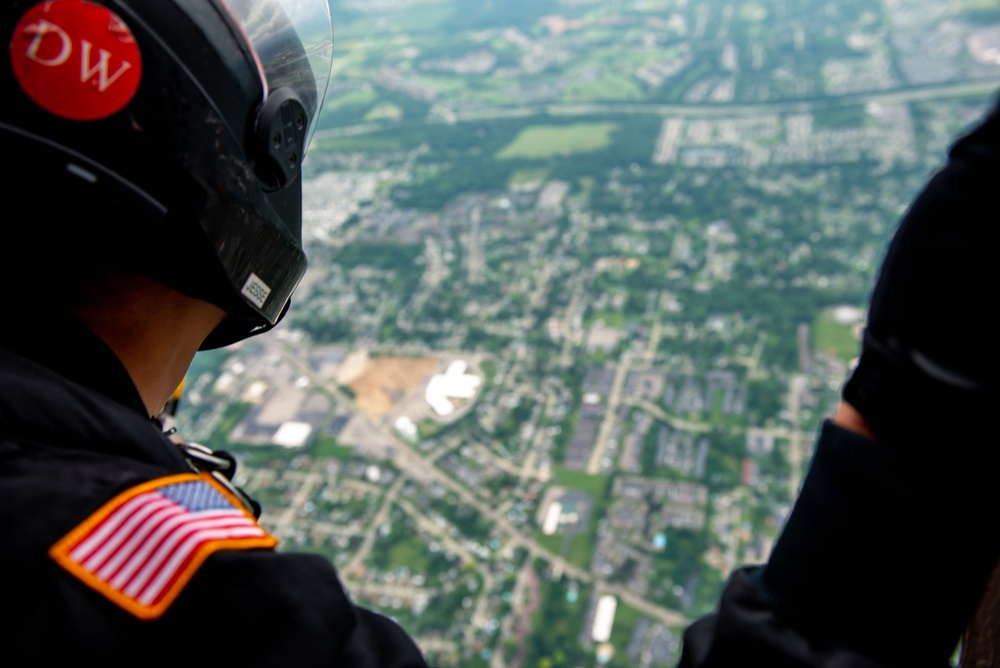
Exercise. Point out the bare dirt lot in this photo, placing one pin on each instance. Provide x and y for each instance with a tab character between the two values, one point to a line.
386	380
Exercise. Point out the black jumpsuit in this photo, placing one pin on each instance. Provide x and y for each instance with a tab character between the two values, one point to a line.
891	544
73	435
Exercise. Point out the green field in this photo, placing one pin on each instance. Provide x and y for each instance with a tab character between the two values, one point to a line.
581	546
546	141
329	447
528	176
625	619
366	142
407	552
830	336
577	549
594	485
605	89
551	543
385	112
614	319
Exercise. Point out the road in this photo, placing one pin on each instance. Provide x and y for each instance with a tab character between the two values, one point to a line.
655	334
569	328
474	259
894	96
795	454
614	399
675	422
415	464
358	558
427	525
407	458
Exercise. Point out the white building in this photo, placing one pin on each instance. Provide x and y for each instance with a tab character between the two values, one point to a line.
292	434
552	517
604	618
407	429
454	384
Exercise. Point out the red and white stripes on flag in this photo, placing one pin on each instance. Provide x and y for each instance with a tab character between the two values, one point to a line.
141	548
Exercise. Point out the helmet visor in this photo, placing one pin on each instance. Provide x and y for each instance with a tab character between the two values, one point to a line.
292	41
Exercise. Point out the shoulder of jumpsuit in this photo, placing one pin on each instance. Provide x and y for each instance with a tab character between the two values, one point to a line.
746	630
228	593
39	405
69	457
66	450
143	571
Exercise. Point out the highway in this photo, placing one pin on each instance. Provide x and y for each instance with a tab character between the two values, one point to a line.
893	96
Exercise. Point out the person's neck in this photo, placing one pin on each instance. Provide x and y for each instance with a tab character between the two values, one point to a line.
154	330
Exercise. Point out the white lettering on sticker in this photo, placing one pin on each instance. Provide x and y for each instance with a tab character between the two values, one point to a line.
87	71
40	30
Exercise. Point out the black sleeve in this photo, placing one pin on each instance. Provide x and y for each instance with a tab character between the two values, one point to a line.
255	607
249	608
890	545
301	612
747	632
881	563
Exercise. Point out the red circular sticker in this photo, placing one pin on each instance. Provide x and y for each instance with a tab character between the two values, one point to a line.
76	59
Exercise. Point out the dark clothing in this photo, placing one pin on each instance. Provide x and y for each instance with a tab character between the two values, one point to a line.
881	564
891	544
73	435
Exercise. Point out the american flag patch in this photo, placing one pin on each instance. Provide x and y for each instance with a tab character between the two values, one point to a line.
143	546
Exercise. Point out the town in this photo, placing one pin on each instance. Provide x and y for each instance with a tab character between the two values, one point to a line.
585	279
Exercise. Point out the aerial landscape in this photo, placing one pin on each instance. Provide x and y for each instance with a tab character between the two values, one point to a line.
585	278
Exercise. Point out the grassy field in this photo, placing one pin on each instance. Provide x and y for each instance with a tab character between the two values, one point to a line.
577	549
551	543
594	485
605	89
830	336
614	319
545	141
581	546
528	176
409	552
625	619
367	142
329	447
385	112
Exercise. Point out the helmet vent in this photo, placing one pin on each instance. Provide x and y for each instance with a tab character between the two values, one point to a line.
281	138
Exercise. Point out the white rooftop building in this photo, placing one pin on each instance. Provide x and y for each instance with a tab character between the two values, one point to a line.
552	517
407	429
453	384
292	434
604	618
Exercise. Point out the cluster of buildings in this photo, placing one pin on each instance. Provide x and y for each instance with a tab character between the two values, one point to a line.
794	138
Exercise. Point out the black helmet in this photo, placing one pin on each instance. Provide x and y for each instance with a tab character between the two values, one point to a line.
163	137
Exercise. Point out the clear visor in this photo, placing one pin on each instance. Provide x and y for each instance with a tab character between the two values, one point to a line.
292	41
